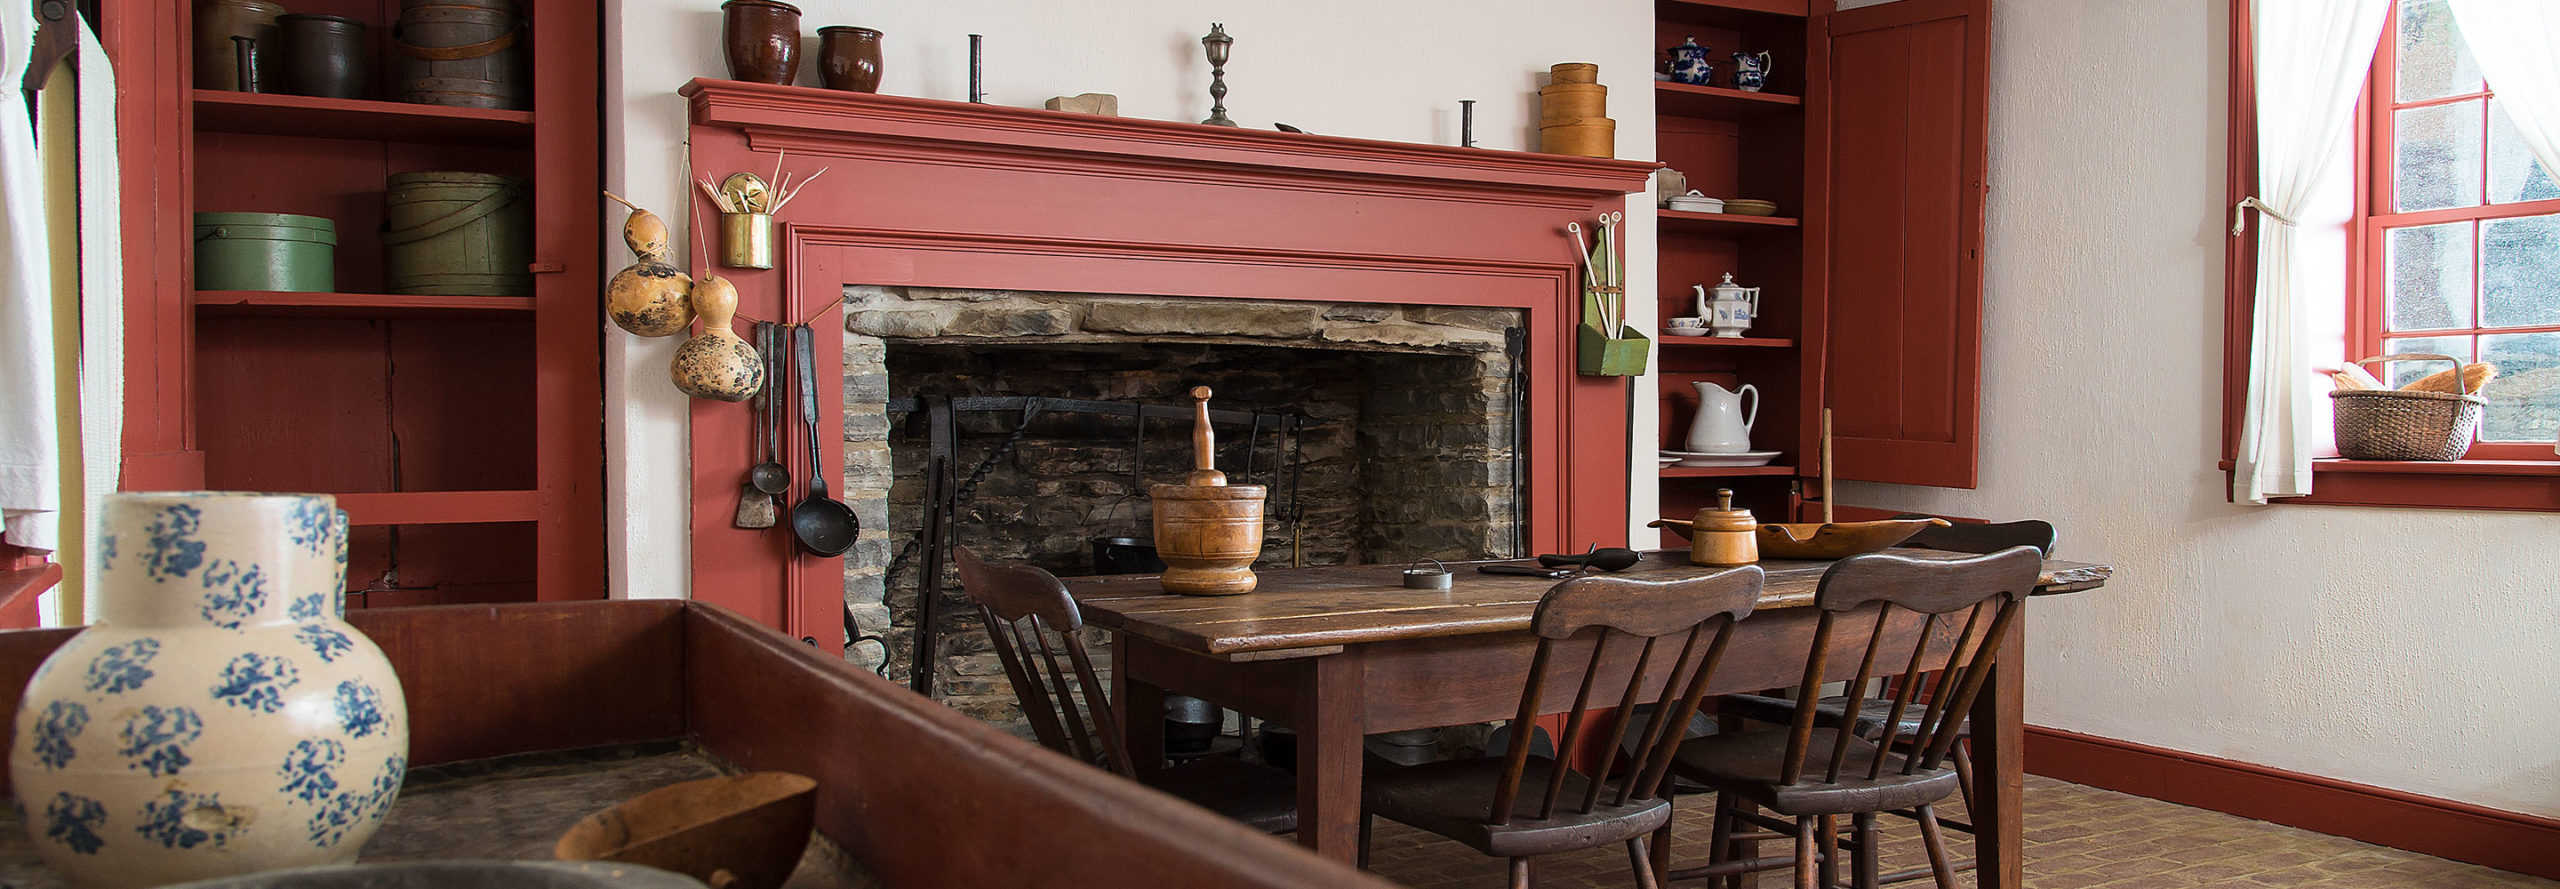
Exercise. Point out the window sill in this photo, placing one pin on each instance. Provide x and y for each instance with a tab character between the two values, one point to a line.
2504	485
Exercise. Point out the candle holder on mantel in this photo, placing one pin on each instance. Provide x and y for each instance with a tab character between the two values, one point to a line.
1207	531
1217	43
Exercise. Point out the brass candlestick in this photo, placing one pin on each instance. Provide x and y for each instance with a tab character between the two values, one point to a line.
1217	43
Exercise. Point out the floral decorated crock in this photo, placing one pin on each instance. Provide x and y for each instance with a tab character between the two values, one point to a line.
222	717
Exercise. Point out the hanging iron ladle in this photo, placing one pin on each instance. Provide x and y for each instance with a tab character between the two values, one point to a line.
825	526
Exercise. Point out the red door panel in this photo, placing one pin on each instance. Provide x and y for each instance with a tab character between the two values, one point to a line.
1907	127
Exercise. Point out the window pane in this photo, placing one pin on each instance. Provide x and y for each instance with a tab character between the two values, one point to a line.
2427	277
2513	173
2402	373
2438	156
2524	401
2433	61
2520	271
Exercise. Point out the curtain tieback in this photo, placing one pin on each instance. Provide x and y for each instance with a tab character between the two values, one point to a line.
2240	214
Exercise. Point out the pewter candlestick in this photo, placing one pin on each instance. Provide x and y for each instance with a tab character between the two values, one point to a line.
1466	123
1217	43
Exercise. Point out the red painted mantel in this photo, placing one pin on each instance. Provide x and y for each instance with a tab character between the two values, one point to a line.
947	194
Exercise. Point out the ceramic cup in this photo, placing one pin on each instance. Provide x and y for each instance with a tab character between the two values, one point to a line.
1688	323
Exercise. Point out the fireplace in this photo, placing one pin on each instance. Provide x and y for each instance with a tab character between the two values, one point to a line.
1382	433
931	205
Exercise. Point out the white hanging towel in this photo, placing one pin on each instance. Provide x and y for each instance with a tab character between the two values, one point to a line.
30	446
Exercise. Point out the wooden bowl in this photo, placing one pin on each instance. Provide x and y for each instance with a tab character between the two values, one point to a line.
744	831
1746	207
1815	540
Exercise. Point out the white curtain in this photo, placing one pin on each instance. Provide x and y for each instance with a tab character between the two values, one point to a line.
2514	41
2311	57
30	442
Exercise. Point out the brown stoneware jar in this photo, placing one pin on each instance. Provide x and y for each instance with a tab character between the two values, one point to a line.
762	38
849	58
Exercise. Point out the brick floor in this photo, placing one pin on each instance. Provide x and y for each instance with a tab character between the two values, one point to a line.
2077	838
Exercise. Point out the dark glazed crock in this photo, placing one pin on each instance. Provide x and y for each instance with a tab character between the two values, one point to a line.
849	58
762	38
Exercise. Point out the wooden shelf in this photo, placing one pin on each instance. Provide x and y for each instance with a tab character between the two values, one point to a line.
275	114
441	507
1672	472
1726	342
1685	222
295	304
1718	103
1731	13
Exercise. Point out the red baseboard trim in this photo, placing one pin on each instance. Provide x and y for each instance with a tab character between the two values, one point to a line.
2513	841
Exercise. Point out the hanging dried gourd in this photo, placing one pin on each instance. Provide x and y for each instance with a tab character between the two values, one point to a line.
649	297
717	364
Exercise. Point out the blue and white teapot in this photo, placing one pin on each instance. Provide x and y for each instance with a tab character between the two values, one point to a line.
1689	63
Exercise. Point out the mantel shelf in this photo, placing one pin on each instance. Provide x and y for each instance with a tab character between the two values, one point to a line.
298	304
275	114
1719	103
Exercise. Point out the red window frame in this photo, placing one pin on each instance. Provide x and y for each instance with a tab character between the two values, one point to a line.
2500	476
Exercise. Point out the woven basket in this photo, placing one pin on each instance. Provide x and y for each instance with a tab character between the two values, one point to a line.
2398	424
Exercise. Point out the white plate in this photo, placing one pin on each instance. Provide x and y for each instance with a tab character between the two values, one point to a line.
1746	458
1688	331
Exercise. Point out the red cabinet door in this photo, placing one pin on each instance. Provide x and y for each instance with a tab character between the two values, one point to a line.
1901	146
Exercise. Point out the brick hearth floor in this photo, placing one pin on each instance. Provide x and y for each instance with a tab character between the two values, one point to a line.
2077	838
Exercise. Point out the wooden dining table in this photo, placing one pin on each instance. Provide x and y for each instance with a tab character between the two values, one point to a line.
1338	653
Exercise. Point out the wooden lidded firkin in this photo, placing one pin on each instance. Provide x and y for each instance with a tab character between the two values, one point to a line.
460	52
1724	537
1207	531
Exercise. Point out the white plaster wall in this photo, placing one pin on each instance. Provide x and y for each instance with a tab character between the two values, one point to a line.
2411	649
1392	71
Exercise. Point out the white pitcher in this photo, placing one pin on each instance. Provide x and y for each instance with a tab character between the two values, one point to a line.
1722	425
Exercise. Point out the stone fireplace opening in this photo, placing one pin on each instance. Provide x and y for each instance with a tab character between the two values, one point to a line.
1384	434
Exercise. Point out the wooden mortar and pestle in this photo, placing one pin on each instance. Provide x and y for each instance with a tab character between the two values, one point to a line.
1207	531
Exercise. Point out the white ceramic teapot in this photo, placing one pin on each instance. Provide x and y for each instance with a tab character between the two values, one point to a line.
1730	309
1722	425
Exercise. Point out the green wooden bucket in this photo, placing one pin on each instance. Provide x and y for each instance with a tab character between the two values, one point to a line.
265	251
457	234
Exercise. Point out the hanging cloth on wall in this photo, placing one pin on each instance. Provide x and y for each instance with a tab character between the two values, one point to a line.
30	443
2310	57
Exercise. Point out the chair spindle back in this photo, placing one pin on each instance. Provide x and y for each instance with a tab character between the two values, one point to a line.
1031	619
1988	590
1698	611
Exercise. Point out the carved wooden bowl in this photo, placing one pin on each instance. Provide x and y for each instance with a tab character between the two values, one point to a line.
1816	540
745	831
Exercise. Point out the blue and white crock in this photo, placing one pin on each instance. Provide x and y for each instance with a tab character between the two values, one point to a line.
222	717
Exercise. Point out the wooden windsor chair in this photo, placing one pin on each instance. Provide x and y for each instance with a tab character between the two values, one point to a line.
1820	767
1033	621
1962	537
1518	806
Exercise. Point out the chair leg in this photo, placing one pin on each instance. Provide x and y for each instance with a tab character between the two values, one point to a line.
1642	860
1964	774
1366	820
1720	839
1863	862
1662	852
1519	873
1806	876
1937	842
1828	864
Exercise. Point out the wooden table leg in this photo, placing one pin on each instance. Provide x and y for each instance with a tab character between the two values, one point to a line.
1999	773
1330	732
1141	709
